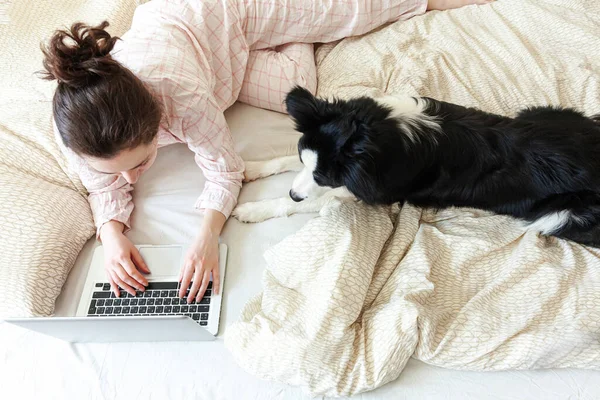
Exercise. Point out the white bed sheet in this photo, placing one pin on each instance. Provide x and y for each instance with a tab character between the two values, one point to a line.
36	366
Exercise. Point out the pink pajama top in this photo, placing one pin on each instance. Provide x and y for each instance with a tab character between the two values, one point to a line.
200	56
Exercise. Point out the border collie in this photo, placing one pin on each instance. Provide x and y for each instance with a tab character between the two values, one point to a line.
542	166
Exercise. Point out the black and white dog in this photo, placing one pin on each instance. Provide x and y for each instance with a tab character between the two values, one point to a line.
542	166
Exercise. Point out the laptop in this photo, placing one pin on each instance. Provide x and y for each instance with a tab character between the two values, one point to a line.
157	314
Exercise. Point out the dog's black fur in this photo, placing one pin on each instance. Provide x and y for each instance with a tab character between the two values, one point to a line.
545	160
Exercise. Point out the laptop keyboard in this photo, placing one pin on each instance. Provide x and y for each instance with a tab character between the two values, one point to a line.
159	298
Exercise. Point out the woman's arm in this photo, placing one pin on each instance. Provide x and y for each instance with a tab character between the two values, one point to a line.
208	136
210	139
202	258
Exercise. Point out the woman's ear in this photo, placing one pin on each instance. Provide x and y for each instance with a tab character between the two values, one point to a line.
303	107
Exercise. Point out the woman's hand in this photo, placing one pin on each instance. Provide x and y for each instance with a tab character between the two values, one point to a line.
202	258
448	4
122	260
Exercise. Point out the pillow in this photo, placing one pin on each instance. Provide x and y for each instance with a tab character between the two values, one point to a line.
261	134
44	216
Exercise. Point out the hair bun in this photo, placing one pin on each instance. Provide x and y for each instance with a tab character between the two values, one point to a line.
75	57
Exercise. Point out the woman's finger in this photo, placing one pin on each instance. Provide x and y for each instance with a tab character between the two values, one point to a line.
197	282
140	281
205	280
125	281
113	285
216	279
186	279
118	282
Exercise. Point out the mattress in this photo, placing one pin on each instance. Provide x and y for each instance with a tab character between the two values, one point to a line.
36	366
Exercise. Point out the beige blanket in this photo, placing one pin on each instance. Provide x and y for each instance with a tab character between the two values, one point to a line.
354	294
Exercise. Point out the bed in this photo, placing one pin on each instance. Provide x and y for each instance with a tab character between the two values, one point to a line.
35	366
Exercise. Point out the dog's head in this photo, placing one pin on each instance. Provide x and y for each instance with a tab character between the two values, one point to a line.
337	147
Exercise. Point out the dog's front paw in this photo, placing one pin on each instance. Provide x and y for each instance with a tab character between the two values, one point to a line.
252	212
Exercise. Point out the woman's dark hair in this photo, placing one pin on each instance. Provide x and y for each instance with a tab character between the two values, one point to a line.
100	107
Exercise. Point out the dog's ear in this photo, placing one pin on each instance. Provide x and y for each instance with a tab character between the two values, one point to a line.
303	107
357	159
358	178
347	132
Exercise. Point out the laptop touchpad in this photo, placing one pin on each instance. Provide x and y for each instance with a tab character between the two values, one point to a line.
162	261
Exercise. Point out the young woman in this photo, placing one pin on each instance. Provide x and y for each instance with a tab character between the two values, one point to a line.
168	80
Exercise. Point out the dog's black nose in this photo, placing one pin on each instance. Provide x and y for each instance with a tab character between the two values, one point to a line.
295	197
